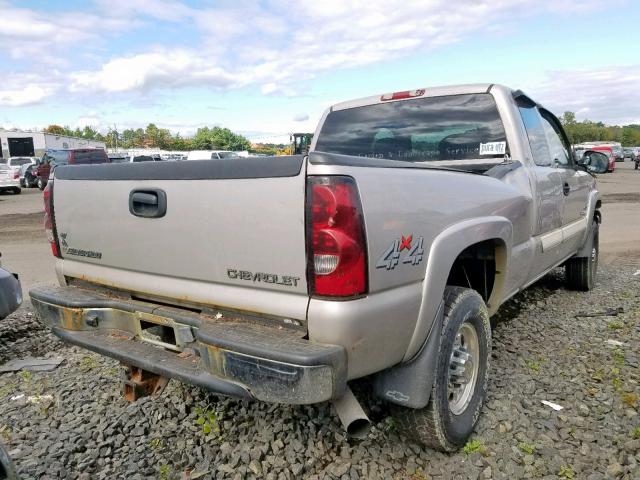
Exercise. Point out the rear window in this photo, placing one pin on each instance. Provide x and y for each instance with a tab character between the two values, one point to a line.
20	161
89	156
143	158
455	127
59	158
228	154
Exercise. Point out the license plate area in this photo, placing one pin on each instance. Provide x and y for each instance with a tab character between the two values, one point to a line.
163	332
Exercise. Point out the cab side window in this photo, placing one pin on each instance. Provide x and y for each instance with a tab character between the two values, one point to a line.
535	132
558	150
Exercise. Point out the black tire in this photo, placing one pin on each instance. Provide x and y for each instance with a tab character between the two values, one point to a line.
581	272
22	183
17	191
7	470
40	183
436	426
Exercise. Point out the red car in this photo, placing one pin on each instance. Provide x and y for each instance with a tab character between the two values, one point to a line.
609	152
78	156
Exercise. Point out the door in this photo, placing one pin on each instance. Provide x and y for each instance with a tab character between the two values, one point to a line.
21	147
575	184
547	187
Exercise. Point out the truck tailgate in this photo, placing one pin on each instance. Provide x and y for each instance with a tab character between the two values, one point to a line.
232	228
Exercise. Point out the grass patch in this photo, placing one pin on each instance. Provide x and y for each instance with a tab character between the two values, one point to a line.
618	357
163	472
88	363
156	443
615	325
208	420
26	376
566	471
5	433
418	475
630	399
473	446
526	448
532	365
636	433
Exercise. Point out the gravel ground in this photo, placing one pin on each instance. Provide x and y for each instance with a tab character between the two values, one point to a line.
541	352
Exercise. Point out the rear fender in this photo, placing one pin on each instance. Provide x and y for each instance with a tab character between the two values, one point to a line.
443	252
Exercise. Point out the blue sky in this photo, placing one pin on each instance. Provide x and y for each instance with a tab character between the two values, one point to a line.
271	67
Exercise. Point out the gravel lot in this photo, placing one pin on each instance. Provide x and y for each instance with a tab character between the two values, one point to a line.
76	425
541	352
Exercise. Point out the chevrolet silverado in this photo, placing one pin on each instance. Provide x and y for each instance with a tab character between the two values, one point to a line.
382	254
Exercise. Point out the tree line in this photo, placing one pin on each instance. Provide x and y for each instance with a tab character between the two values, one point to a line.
215	138
589	131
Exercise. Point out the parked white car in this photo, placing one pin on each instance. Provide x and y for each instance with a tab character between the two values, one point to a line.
9	180
210	154
16	162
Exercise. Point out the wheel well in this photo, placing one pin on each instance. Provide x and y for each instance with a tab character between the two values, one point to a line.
480	266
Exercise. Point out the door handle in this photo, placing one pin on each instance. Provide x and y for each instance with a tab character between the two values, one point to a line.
148	203
566	189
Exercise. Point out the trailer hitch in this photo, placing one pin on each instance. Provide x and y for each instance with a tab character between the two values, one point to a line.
138	383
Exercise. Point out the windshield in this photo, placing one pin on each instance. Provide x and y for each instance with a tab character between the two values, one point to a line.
448	128
85	157
227	154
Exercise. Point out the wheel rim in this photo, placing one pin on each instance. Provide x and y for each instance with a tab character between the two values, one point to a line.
463	368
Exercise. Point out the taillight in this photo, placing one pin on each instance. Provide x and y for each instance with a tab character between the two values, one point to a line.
16	174
336	246
49	220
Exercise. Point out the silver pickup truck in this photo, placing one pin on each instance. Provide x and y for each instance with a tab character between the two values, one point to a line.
382	254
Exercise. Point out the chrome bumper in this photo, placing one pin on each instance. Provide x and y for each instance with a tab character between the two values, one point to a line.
233	355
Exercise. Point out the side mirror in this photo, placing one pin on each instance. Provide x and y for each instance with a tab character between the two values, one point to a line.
595	162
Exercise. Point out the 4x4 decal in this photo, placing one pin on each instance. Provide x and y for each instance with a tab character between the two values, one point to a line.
394	255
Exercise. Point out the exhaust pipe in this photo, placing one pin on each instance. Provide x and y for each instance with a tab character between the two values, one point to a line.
352	416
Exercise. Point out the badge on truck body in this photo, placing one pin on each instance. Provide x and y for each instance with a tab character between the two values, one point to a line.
402	250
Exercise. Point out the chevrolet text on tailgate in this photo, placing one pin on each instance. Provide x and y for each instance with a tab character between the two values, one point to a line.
381	254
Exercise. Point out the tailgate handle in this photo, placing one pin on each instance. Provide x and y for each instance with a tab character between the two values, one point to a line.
148	203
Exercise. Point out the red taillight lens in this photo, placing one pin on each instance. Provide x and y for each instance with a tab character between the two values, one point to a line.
336	246
49	220
16	175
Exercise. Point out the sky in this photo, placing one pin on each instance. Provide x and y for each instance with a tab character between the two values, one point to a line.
271	67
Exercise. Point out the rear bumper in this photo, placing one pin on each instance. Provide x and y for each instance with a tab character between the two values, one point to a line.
232	355
9	183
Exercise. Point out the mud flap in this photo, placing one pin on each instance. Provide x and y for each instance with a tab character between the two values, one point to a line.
409	384
585	250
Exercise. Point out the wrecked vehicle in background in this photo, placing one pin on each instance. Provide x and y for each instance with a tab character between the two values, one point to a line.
382	254
10	292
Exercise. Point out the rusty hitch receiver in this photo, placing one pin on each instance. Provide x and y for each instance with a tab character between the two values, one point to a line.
138	383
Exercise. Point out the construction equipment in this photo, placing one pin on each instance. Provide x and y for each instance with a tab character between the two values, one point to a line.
300	142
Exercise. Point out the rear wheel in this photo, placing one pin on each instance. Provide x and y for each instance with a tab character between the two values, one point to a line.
460	387
17	191
40	183
581	272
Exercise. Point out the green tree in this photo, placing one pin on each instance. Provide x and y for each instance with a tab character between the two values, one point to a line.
55	130
218	138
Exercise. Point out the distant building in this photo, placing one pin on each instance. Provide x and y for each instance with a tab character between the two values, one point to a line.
17	143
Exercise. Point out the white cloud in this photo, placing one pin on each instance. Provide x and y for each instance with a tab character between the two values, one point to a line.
608	94
276	46
26	95
170	69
